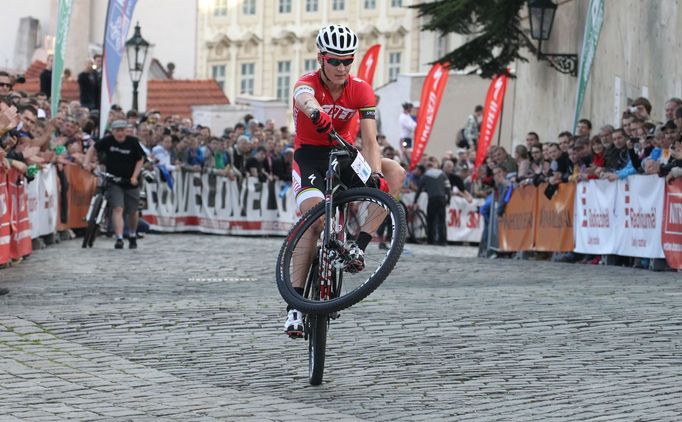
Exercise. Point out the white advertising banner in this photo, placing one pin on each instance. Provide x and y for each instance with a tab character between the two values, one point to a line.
464	223
639	209
595	217
210	203
42	202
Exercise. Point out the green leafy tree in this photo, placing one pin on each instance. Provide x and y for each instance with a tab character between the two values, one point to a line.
495	25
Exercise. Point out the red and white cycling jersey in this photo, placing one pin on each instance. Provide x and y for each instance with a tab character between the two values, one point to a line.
357	96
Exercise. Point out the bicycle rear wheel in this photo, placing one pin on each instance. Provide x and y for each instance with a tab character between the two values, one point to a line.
354	210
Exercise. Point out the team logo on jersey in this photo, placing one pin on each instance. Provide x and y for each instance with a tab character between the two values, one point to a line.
312	178
338	112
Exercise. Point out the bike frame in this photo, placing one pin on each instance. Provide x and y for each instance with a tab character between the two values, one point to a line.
344	150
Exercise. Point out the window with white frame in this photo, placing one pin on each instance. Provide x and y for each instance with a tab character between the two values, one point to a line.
393	66
310	65
442	46
247	81
370	4
218	73
220	8
311	5
284	6
283	80
396	3
249	7
338	4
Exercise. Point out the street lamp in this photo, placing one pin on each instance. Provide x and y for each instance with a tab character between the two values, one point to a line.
136	48
541	15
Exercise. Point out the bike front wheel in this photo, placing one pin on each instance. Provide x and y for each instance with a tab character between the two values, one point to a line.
354	211
91	229
317	346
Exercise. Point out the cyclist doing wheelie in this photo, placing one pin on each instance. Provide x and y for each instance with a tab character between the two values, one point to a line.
325	101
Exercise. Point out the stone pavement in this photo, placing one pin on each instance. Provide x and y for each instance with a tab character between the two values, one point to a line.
189	328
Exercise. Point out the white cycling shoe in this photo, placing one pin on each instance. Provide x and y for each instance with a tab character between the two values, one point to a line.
294	324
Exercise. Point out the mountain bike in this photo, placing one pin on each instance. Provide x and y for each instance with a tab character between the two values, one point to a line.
329	288
416	223
98	205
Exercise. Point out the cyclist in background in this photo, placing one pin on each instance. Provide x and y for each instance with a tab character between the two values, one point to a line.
323	101
124	158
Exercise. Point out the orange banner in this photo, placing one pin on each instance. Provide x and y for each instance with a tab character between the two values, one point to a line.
432	92
81	188
4	220
491	114
671	236
516	227
554	219
20	243
369	64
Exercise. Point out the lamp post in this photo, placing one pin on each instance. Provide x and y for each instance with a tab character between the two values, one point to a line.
136	48
541	15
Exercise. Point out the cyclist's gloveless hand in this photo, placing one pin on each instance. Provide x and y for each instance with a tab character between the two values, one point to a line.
322	122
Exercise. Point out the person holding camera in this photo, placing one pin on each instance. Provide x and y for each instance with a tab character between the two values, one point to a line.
124	158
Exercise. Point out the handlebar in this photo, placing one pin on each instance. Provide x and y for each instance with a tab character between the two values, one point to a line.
113	178
334	135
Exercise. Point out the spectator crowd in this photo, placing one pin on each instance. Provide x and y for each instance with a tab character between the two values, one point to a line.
32	138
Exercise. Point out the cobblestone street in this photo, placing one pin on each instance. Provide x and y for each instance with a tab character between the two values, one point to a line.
190	328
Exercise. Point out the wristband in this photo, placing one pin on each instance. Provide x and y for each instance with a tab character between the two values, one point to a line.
379	173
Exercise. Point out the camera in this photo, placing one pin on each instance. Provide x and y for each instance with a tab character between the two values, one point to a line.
20	79
632	109
148	176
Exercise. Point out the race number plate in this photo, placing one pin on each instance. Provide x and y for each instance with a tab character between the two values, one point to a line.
362	169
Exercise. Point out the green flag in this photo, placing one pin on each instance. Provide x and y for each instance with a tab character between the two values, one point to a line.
595	18
63	18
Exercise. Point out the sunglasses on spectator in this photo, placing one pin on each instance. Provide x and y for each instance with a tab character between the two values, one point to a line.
8	85
336	62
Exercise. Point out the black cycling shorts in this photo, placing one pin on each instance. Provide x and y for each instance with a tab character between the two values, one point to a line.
308	170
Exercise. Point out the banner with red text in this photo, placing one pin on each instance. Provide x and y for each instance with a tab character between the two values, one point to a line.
671	237
464	223
369	64
4	220
20	243
639	212
595	217
491	114
432	92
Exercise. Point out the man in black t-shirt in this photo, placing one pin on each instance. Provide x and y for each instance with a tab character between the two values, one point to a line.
124	158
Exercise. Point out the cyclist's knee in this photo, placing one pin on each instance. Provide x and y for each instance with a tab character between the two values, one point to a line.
394	174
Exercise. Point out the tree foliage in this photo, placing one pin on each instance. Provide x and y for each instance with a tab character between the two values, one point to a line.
494	24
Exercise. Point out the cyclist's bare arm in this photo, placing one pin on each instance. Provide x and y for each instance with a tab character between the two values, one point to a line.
370	146
304	97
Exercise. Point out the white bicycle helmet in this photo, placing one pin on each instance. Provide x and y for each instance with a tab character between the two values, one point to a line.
338	40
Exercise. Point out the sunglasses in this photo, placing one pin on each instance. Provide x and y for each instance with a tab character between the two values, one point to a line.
336	62
5	84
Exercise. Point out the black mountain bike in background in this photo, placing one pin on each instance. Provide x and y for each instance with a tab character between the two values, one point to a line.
328	287
98	206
